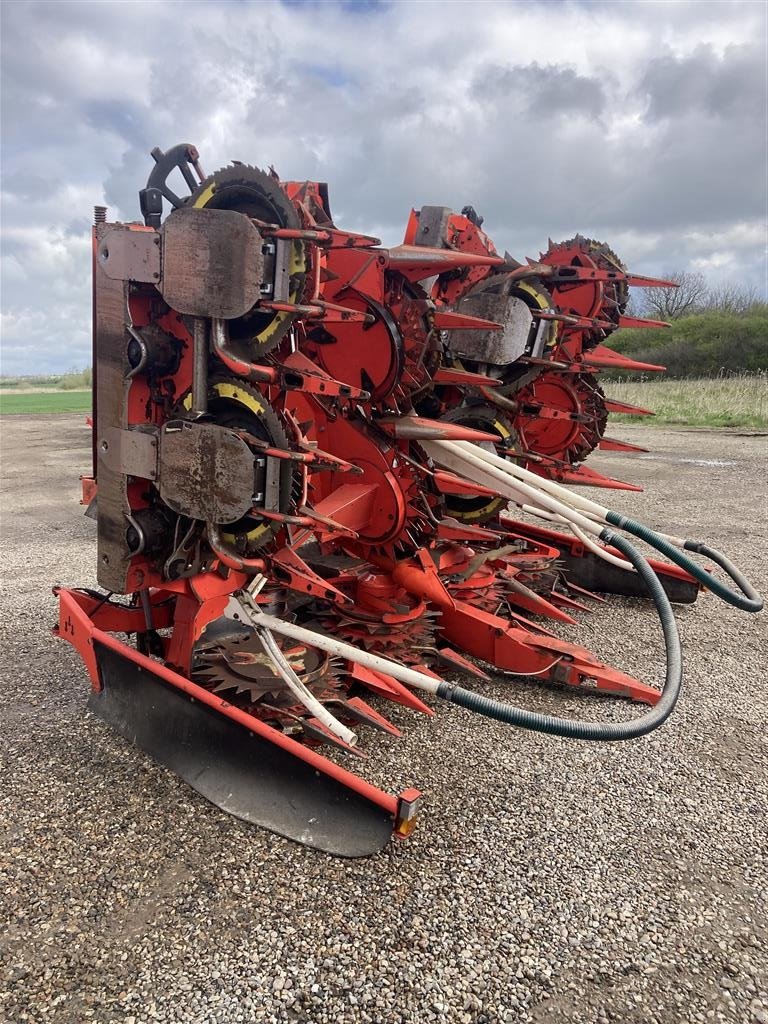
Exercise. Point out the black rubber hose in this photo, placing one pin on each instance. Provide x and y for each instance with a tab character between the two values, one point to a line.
747	601
601	731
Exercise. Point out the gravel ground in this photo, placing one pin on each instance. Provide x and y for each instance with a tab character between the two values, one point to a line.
547	880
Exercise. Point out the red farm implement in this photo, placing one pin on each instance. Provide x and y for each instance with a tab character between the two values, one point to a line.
305	448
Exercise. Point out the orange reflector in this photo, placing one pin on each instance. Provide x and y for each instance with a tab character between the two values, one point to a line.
407	812
404	828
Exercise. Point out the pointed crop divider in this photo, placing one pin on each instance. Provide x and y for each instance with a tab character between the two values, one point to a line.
513	270
639	281
584	592
452	529
306	521
586	477
315	381
417	262
464	378
607	358
422	257
637	321
292	571
593	572
328	238
611	444
586	672
552	364
314	458
315	730
317	458
416	428
535	555
455	660
532	627
348	505
357	709
351	240
328	524
589	322
320	310
534	603
627	410
391	689
509	647
569	602
296	373
501	401
565	274
450	483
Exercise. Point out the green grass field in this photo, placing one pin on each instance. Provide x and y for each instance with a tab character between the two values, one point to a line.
738	400
735	400
40	403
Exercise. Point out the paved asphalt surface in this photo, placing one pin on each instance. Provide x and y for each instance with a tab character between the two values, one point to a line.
547	881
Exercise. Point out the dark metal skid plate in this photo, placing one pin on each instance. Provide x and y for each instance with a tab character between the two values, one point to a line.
241	773
595	574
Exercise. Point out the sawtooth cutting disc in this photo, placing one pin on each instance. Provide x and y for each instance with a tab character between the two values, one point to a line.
234	404
254	193
606	300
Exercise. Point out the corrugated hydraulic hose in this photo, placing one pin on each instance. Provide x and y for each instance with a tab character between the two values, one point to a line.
748	600
601	731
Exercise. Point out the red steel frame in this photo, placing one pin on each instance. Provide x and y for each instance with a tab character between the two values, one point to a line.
365	488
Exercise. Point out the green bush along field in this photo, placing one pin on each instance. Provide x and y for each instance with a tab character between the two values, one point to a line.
702	345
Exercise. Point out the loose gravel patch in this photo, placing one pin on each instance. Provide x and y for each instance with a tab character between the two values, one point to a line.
547	880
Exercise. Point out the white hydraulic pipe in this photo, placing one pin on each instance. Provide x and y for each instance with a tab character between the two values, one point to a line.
456	461
554	517
300	691
556	490
600	551
342	650
590	508
581	524
482	471
467	465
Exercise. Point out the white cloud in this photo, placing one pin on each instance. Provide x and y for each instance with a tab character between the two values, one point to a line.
752	233
636	123
716	261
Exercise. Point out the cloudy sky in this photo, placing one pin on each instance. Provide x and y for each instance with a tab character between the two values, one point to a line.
642	124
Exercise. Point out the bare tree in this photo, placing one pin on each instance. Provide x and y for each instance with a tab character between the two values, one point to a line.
671	303
732	298
635	305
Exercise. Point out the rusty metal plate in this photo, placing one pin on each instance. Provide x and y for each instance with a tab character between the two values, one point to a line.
110	365
132	452
212	263
433	226
129	252
498	347
205	472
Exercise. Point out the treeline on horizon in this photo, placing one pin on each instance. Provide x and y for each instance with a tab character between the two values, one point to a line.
714	330
72	380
